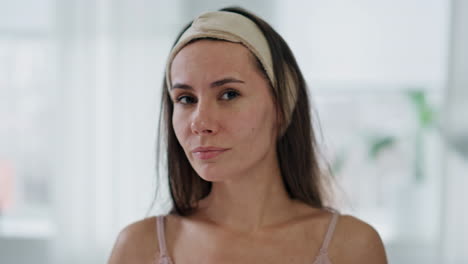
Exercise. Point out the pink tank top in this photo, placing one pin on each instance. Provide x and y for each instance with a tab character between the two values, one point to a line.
322	257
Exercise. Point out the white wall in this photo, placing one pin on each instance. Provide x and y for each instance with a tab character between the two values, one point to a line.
368	41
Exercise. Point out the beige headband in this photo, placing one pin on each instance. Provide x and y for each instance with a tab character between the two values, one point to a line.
237	28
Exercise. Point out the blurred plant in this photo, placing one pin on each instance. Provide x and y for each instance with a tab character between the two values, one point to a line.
339	161
377	144
425	112
426	118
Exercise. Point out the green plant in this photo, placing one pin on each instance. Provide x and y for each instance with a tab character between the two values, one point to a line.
378	142
426	118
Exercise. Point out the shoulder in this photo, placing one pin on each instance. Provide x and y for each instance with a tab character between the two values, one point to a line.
357	242
136	243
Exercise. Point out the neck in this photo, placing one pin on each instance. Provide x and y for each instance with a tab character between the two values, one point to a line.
249	202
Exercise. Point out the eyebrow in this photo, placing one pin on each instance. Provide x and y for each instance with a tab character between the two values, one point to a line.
212	85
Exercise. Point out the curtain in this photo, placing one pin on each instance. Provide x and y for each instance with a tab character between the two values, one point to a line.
109	75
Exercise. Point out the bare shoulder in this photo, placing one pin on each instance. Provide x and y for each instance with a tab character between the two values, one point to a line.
136	243
357	242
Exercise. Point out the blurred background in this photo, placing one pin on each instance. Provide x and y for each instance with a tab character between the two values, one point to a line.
79	105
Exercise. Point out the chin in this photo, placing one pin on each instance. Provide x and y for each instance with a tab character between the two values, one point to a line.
213	175
212	179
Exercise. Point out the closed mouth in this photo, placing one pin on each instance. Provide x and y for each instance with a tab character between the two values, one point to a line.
205	154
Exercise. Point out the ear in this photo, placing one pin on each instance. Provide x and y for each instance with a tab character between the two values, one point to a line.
279	125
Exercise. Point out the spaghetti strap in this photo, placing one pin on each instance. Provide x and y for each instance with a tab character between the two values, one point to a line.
161	236
163	256
329	234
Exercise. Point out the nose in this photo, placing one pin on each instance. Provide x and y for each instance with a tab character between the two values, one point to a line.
204	122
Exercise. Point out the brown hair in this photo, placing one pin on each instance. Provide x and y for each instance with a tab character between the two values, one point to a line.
297	148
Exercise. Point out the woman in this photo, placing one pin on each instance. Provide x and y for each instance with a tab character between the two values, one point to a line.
243	167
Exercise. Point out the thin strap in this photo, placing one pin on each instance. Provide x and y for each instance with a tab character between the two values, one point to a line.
161	236
329	235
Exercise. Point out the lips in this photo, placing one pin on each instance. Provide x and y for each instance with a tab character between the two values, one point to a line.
205	153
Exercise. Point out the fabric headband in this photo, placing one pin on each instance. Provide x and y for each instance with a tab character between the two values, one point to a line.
236	28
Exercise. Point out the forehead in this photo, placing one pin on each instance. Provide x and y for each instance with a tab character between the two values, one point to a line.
212	57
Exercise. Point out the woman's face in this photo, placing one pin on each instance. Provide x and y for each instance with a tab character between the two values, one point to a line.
224	116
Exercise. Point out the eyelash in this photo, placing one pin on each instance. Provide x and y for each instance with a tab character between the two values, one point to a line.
236	94
180	98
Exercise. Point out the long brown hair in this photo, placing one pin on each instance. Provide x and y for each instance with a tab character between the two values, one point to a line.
297	149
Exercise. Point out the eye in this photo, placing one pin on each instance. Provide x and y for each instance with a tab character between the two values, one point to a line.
229	95
186	99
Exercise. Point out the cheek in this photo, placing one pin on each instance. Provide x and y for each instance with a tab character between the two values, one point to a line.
257	123
179	125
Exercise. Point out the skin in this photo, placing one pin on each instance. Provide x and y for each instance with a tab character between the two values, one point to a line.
221	99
